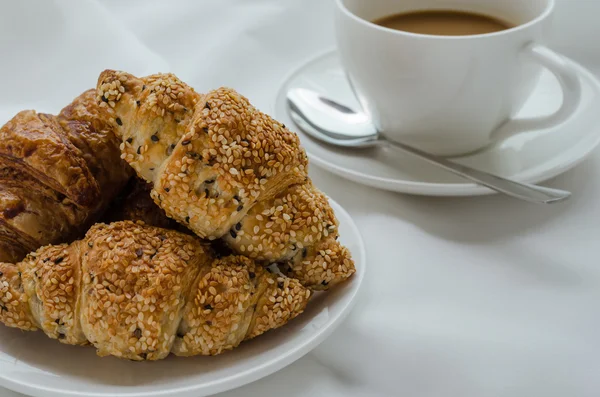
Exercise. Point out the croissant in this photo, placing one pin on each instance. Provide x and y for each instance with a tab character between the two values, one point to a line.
140	292
225	170
57	173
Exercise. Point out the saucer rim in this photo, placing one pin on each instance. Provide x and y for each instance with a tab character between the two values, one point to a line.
428	188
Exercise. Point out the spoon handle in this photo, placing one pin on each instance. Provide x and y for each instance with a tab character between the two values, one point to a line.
524	191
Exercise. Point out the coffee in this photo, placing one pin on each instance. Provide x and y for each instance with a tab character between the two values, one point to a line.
443	23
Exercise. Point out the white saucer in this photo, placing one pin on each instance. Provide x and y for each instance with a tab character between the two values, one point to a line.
532	157
33	364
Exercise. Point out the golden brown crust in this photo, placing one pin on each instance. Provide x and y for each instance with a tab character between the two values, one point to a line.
292	229
88	126
136	280
321	266
139	292
57	173
235	300
51	279
233	157
36	215
35	143
11	246
283	299
14	303
160	105
15	243
214	315
210	157
274	230
227	171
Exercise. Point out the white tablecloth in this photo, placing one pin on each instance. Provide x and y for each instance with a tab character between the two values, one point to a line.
464	297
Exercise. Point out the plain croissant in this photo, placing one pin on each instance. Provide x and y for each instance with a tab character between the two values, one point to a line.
225	170
141	292
57	173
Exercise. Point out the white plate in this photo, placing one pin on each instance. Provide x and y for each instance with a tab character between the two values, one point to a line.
34	364
532	157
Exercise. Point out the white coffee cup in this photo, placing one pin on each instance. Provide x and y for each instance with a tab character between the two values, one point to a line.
451	95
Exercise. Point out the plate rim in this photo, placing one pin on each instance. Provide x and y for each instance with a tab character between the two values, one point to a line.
427	188
247	376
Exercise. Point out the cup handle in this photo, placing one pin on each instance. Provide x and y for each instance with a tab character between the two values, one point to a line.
569	80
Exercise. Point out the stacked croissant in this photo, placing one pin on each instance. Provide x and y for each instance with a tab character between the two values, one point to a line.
57	175
181	264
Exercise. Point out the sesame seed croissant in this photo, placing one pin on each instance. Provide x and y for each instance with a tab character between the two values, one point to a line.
141	292
225	170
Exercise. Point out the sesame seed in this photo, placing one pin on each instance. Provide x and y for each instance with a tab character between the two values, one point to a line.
170	149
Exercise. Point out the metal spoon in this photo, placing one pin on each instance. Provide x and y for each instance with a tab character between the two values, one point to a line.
331	122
